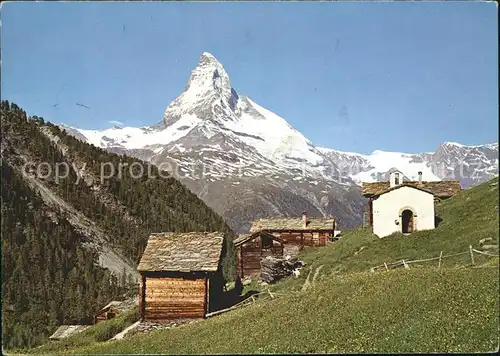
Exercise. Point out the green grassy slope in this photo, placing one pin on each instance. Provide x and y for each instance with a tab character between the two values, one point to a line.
102	331
398	311
467	218
349	309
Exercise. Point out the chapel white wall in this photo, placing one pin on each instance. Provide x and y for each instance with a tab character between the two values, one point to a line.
387	209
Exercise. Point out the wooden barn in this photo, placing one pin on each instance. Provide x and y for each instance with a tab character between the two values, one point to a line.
280	237
113	309
181	275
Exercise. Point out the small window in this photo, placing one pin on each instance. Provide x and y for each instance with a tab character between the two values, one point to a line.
396	178
267	242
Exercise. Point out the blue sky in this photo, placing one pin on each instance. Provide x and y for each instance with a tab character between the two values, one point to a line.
351	76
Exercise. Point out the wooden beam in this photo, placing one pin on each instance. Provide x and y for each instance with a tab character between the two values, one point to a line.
207	294
241	261
143	297
371	212
175	274
288	231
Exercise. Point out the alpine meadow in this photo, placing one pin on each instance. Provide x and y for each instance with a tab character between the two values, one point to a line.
254	177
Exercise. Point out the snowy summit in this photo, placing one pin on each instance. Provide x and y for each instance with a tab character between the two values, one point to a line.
210	122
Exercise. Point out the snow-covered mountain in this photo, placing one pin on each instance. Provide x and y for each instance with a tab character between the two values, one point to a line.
247	162
468	164
210	115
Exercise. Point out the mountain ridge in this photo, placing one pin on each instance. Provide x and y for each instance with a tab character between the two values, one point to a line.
444	163
243	148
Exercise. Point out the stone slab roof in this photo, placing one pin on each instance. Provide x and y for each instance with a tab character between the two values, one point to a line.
294	224
66	330
404	185
241	239
120	306
441	189
182	252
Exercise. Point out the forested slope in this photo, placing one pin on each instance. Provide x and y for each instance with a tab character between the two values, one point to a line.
60	221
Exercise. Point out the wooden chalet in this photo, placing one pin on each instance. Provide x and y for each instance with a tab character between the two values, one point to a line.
440	189
181	275
280	237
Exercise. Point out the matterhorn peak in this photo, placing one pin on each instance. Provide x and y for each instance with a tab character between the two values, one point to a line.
207	58
210	75
208	87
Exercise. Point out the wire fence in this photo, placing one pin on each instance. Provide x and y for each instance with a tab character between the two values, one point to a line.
264	295
268	294
407	263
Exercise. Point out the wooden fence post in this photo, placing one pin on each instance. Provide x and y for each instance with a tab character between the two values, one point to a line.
440	257
471	254
386	268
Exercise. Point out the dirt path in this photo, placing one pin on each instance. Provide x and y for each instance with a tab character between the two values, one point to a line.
124	332
307	283
316	274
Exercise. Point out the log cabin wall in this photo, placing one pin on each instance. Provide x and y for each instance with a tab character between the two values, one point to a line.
251	252
249	258
142	296
178	271
370	211
303	239
105	316
100	317
108	312
174	295
216	285
296	238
